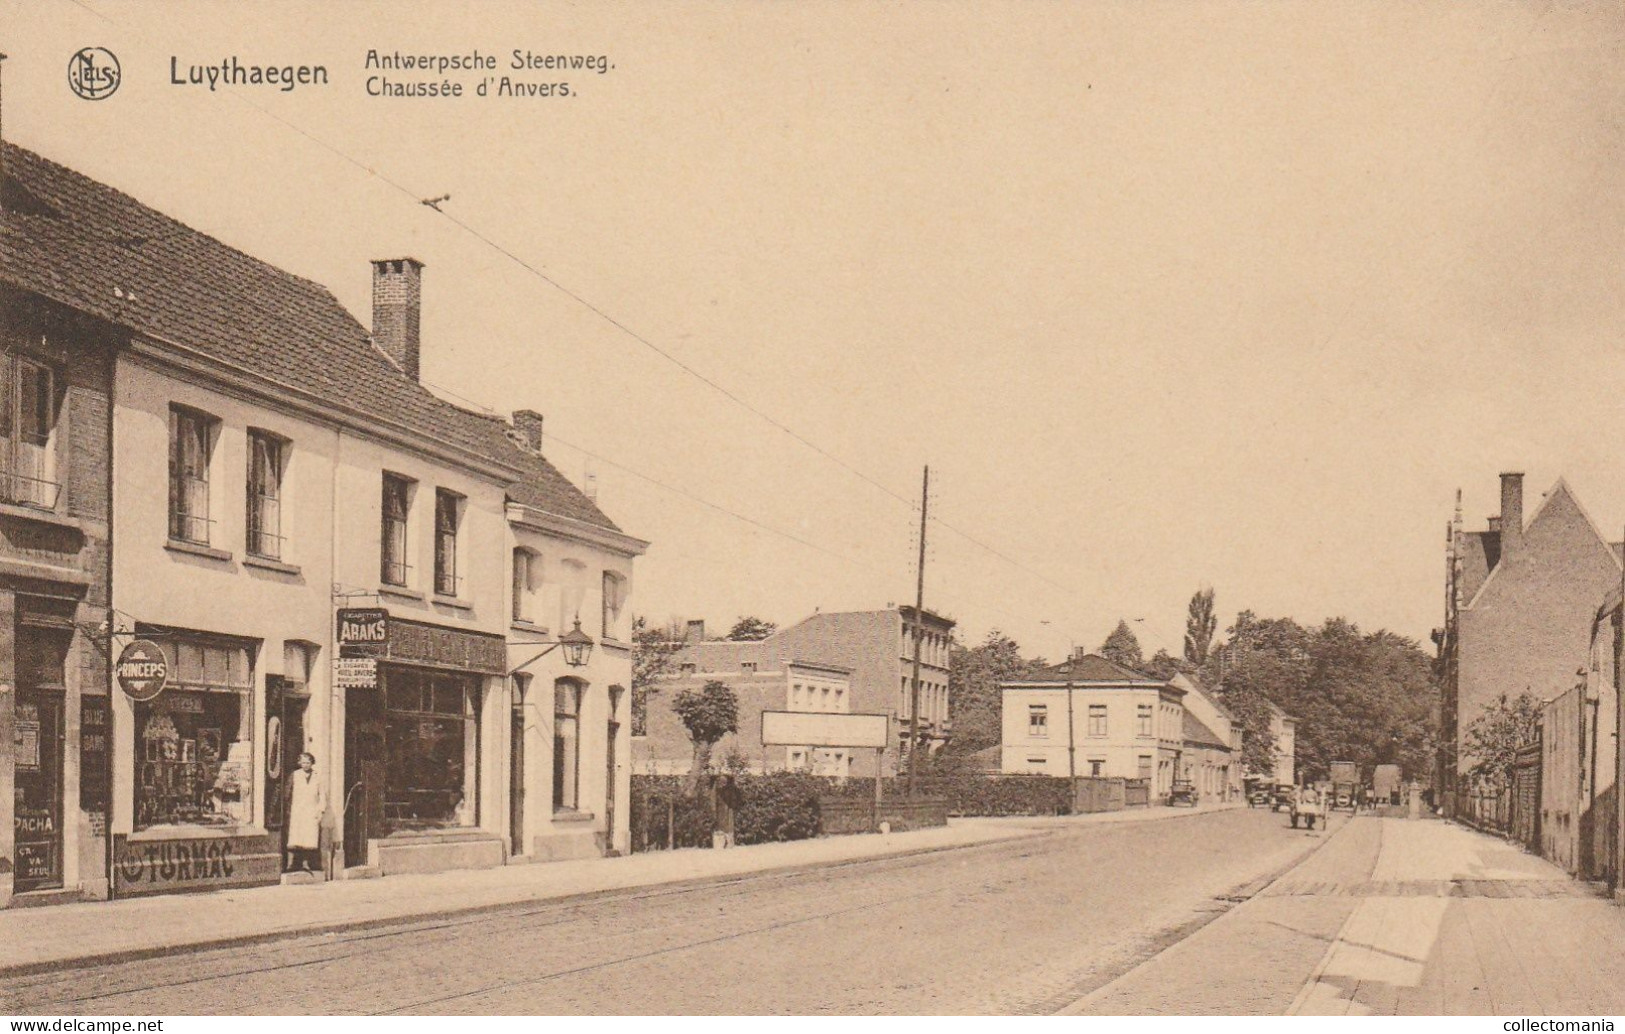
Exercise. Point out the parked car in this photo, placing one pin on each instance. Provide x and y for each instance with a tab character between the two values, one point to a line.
1260	797
1284	794
1183	792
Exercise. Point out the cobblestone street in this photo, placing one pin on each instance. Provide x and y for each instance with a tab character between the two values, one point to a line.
1020	927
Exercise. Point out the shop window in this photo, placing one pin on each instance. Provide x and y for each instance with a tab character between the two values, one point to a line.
266	453
397	507
431	749
195	742
527	582
566	744
192	436
448	517
1097	719
28	418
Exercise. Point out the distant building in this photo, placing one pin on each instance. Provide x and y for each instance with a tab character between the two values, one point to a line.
1284	728
1212	740
1519	605
1088	716
860	662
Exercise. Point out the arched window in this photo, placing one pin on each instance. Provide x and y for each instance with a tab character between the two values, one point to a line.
614	601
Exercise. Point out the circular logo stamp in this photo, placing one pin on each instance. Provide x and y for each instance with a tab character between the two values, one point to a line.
93	73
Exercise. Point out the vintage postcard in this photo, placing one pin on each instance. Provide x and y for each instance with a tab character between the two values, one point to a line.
845	508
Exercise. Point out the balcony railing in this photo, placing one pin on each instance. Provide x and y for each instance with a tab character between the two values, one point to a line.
23	490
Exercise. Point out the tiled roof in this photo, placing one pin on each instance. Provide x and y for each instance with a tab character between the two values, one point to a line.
95	249
1090	668
1195	731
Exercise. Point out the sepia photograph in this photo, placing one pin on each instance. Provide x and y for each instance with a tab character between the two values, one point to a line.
849	508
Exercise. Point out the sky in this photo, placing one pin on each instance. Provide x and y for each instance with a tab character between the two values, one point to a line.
1167	295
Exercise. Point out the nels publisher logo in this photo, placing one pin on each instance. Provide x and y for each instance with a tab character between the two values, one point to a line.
93	73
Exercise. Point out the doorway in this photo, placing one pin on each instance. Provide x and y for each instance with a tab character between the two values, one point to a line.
363	773
38	821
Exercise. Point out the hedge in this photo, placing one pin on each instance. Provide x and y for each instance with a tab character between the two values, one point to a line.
784	805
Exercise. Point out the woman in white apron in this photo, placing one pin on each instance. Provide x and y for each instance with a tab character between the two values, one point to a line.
307	801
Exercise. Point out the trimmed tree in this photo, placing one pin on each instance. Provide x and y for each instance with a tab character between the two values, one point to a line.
708	715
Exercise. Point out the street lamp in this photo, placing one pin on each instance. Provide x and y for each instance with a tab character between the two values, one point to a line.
577	649
577	646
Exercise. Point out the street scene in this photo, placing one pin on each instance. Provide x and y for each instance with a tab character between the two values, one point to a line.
733	510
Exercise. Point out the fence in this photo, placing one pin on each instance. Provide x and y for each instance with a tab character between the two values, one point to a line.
1137	793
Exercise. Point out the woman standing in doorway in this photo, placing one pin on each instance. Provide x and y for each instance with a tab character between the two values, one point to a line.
306	803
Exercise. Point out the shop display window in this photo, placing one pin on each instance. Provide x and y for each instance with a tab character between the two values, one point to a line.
194	742
431	747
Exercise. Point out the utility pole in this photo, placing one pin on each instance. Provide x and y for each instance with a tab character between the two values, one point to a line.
919	628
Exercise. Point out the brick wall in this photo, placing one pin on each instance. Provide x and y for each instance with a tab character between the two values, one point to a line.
1530	627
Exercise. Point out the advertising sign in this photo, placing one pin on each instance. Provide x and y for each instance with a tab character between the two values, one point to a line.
363	626
815	729
355	672
141	670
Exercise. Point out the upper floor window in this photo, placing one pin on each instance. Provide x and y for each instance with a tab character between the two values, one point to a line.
527	581
747	667
265	458
28	414
1037	720
572	590
1142	720
448	515
1097	719
192	436
397	505
614	602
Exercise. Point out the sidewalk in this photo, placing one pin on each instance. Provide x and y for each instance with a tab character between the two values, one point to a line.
1395	916
40	938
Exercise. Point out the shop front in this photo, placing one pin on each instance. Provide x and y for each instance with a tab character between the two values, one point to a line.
416	705
195	821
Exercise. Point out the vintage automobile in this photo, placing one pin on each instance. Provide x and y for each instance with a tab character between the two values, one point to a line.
1307	806
1183	791
1283	797
1260	797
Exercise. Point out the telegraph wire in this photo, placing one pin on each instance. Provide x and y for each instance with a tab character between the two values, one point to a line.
418	198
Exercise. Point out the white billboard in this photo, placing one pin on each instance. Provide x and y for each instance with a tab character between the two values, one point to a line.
811	729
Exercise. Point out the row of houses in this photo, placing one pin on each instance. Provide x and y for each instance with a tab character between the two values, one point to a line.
838	663
1533	607
1089	716
235	528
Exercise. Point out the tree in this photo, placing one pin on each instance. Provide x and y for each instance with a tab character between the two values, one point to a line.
654	652
1493	738
1200	624
1165	665
974	675
1123	648
708	715
751	629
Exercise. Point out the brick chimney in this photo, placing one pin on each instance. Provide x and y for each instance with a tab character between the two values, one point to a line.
1511	514
397	306
1079	652
696	631
528	423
